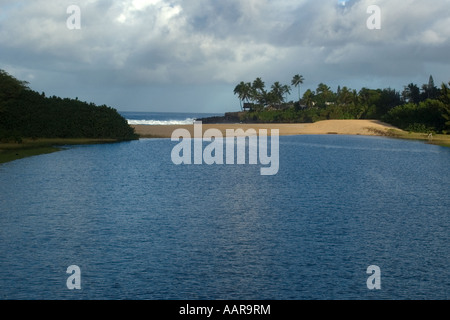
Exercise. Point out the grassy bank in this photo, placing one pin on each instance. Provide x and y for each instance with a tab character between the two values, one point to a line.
34	147
437	139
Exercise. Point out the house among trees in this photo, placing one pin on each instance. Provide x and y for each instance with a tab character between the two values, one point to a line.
419	109
248	106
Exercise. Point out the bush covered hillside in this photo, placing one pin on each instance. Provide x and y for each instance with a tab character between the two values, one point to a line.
26	113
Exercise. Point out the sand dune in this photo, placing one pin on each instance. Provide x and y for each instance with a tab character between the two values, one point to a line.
344	127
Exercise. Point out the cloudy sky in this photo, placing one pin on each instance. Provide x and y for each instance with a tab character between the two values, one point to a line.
188	55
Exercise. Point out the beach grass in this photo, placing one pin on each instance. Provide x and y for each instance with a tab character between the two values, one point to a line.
32	147
436	139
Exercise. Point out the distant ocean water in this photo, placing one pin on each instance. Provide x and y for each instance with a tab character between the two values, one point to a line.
164	118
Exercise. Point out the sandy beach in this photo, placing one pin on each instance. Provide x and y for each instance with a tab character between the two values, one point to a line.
343	127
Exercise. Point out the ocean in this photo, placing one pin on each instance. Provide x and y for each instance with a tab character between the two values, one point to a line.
140	227
164	118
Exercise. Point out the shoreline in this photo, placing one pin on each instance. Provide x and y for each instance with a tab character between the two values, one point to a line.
324	127
339	127
34	147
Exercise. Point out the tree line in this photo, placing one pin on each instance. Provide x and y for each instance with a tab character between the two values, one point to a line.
26	113
419	109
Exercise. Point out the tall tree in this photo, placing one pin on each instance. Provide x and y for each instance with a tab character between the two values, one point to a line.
324	95
258	88
308	98
345	96
445	98
296	82
431	89
277	92
238	90
286	91
243	91
411	93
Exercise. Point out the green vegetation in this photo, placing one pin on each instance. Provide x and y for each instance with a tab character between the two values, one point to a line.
423	110
26	113
437	139
31	123
31	147
10	154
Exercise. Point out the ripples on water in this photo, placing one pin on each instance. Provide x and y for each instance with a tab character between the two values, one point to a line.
140	227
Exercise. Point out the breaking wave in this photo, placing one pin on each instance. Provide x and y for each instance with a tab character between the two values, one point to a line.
161	122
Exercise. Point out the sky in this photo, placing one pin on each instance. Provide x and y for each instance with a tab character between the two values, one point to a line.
189	55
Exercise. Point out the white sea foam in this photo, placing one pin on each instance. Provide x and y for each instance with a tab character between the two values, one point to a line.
161	122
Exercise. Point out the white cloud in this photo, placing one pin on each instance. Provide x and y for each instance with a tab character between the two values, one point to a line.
150	42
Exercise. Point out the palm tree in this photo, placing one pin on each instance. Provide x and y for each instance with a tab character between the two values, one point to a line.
296	82
286	91
308	98
346	96
324	95
258	90
411	93
238	90
242	90
277	91
258	84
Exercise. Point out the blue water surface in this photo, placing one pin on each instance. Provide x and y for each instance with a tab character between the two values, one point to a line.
140	227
